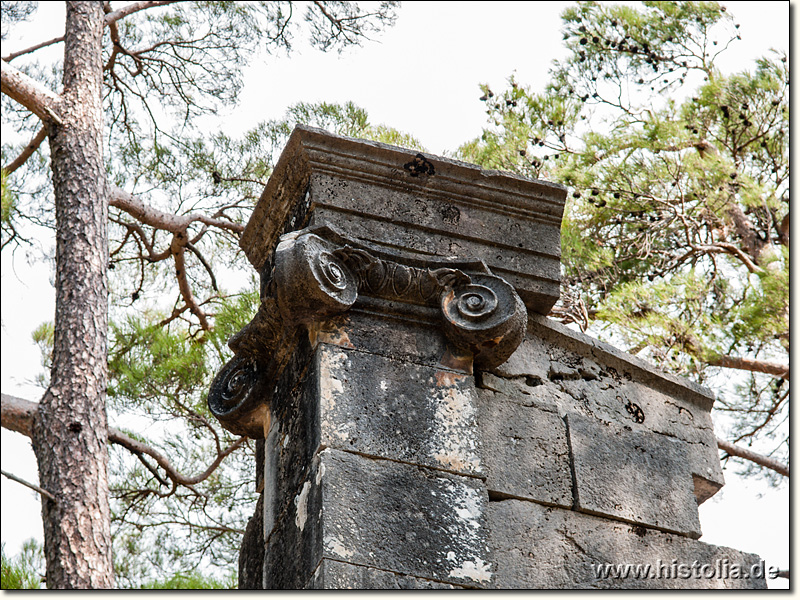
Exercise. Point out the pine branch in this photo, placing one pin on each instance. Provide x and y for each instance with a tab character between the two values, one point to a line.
161	220
749	364
726	248
178	225
115	16
134	446
29	93
758	459
205	264
179	256
35	488
27	152
111	19
14	55
751	242
783	230
17	415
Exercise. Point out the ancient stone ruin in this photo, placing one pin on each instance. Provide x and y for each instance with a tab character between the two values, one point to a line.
421	423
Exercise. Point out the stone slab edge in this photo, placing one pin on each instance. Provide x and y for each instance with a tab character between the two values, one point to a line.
330	573
602	352
383	163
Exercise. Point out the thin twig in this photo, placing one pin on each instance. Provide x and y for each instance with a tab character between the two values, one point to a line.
35	488
14	55
27	152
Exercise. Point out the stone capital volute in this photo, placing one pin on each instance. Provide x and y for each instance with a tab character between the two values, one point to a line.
319	273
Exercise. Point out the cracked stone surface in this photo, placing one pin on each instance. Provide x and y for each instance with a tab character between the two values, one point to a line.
634	476
552	548
411	342
337	575
384	515
527	454
392	409
557	367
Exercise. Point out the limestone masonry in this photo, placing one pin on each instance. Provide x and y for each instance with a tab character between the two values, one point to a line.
421	423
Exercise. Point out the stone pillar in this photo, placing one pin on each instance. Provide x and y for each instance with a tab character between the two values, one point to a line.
423	424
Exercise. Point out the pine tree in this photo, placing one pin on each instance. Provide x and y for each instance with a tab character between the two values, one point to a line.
675	239
132	83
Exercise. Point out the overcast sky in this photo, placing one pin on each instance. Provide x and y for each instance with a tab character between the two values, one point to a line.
421	77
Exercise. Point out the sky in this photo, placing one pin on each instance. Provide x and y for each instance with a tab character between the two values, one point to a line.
421	77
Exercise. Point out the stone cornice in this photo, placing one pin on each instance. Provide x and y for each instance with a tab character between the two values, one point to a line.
313	151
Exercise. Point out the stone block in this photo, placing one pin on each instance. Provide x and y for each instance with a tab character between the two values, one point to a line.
538	547
384	515
525	392
634	476
532	359
526	454
294	544
554	365
401	411
360	402
416	340
337	575
405	519
251	554
641	408
294	435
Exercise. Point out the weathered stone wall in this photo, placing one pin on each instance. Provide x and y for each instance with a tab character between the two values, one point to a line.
385	469
422	424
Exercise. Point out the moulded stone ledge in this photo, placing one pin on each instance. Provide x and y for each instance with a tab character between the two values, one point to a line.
577	374
430	205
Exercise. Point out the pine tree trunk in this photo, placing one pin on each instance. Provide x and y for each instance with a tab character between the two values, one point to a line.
70	430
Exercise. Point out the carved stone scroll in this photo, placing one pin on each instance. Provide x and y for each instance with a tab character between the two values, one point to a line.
312	283
319	273
485	317
238	397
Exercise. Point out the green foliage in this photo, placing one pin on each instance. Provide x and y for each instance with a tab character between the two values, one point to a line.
24	571
192	581
8	199
159	374
675	235
43	337
145	357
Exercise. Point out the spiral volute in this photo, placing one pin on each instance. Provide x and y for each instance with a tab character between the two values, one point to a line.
485	317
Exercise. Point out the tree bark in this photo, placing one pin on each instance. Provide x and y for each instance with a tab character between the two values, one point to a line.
749	364
764	461
70	427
